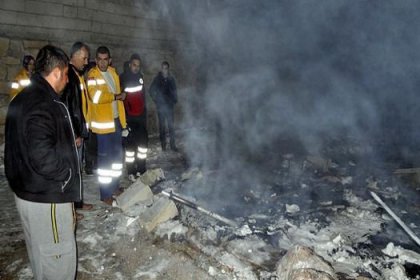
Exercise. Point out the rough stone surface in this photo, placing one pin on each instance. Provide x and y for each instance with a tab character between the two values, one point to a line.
302	263
4	46
136	193
162	210
151	177
309	274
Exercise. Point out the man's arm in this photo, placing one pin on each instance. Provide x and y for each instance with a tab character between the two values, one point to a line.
40	136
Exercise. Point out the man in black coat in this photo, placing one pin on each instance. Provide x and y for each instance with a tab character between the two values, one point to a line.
76	98
164	94
42	167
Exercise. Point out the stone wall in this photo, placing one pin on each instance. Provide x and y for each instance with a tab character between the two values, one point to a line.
125	26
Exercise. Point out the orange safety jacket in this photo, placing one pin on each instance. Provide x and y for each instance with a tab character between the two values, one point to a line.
20	82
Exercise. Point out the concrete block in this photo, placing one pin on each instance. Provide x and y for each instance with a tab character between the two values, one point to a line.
4	87
70	11
3	72
85	13
10	60
302	263
44	8
152	176
81	3
7	17
136	193
162	210
32	44
4	46
12	72
16	48
15	5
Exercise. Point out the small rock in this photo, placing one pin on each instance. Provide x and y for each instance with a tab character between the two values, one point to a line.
292	208
301	263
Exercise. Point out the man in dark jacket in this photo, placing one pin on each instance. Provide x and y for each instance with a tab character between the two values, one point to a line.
76	98
163	93
136	114
42	167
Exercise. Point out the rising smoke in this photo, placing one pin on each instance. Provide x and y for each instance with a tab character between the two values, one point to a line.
301	72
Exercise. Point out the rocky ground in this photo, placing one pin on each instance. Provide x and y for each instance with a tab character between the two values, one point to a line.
322	205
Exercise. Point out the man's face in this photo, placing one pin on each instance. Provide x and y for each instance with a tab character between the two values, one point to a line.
135	66
165	70
80	59
103	60
62	79
31	66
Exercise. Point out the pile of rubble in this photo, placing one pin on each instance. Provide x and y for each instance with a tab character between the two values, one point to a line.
287	230
139	202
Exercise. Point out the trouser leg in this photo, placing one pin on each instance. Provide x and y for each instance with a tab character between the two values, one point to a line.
91	151
80	149
162	128
170	119
142	145
50	239
110	161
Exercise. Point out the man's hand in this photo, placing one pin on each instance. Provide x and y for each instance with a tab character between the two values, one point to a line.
79	141
121	96
125	132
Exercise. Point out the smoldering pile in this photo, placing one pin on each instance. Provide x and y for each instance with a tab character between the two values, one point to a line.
309	213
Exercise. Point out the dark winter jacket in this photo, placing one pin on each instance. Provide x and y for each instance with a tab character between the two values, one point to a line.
163	91
72	97
41	160
135	102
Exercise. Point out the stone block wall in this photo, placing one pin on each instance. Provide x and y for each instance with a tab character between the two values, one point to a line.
125	26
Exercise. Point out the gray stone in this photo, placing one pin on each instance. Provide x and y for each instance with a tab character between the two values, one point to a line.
3	72
136	193
15	5
44	8
4	87
16	48
10	60
302	263
70	11
4	46
309	274
12	72
152	176
162	210
32	44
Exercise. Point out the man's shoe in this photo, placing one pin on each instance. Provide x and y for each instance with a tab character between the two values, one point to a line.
79	217
86	207
118	191
132	178
108	201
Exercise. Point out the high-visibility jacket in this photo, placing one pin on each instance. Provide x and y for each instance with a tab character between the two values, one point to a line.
86	102
101	96
20	82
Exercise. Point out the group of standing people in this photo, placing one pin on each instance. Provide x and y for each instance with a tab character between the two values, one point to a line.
60	112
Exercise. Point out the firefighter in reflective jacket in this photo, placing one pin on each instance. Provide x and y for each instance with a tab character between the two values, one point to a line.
22	79
135	108
107	120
